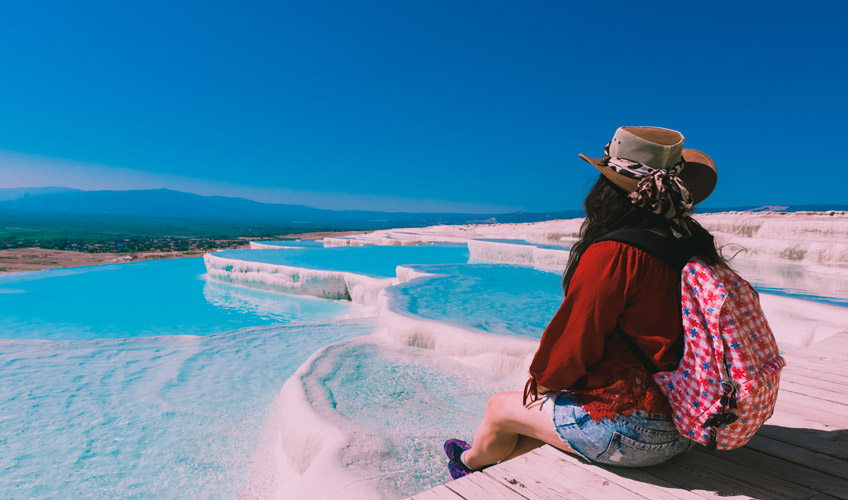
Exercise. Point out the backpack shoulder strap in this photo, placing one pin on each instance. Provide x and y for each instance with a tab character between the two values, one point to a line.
637	351
670	252
666	249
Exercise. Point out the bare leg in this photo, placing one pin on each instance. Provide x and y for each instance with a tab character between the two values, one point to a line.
506	426
525	444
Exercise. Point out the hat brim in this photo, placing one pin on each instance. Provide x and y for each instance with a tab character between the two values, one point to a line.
699	174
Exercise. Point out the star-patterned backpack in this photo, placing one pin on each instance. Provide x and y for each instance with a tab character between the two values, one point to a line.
725	386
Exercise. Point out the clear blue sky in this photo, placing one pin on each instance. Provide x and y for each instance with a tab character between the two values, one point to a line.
418	105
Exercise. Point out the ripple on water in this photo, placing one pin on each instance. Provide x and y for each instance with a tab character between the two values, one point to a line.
399	404
377	261
156	417
496	298
167	297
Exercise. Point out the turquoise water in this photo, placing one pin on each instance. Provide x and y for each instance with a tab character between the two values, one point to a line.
163	297
496	298
145	380
399	404
377	261
150	417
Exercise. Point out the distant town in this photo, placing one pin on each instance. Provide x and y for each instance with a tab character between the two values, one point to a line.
128	245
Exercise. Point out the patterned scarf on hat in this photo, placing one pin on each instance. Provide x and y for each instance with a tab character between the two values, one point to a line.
659	190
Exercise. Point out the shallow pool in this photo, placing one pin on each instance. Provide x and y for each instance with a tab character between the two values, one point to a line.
150	417
376	261
495	298
399	404
163	297
144	380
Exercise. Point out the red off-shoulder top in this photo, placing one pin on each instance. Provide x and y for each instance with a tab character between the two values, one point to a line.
614	284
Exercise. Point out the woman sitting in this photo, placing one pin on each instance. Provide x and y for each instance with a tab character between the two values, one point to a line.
588	394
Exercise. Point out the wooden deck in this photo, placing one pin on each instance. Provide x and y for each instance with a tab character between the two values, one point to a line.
801	453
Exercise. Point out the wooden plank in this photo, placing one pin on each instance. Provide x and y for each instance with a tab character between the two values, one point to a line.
811	369
830	382
802	421
791	472
821	389
795	418
794	424
539	477
800	404
836	342
834	345
546	466
824	350
814	392
843	335
480	486
834	358
837	339
833	443
805	368
634	479
712	477
799	455
440	492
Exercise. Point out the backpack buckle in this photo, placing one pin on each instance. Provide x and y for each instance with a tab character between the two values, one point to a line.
728	391
712	422
720	419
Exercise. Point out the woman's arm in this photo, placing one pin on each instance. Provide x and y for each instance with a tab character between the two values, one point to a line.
598	294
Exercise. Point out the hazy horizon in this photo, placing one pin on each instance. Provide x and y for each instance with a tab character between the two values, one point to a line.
772	206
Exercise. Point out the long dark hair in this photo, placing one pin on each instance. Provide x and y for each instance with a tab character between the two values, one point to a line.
608	208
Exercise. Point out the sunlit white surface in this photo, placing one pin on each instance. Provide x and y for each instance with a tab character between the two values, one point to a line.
209	412
152	417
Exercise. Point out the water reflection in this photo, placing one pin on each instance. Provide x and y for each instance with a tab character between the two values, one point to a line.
794	280
274	306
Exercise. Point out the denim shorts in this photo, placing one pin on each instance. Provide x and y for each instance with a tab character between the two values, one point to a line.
635	440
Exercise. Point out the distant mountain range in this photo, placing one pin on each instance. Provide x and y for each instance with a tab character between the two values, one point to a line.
165	203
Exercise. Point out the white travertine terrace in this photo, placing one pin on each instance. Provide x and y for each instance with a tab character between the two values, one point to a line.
537	232
498	353
255	245
547	259
306	448
357	288
298	452
816	239
391	237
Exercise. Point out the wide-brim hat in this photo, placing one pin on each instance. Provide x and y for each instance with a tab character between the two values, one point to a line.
658	148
